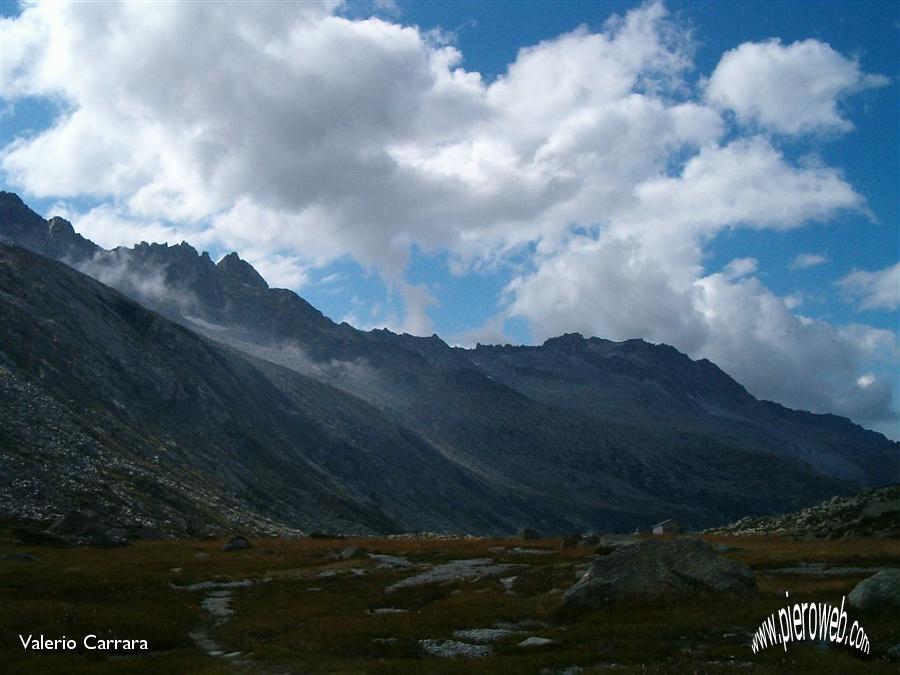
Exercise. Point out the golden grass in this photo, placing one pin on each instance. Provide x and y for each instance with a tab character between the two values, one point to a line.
289	628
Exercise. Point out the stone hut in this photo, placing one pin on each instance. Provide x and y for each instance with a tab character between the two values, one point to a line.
667	526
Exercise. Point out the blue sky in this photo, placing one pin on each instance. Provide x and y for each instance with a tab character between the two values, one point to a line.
422	171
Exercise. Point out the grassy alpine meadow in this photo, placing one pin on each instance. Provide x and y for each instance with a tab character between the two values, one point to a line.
300	606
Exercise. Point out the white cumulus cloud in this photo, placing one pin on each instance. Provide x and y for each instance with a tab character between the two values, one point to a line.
298	136
792	89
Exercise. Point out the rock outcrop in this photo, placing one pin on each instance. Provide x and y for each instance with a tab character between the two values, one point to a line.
880	591
237	544
658	568
870	513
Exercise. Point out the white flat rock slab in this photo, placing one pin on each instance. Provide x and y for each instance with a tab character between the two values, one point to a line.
387	610
451	649
390	561
456	570
484	634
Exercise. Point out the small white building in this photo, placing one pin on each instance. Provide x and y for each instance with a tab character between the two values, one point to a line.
667	526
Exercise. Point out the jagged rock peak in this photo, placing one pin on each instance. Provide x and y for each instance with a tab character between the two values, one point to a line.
60	226
241	271
11	198
187	248
566	340
16	216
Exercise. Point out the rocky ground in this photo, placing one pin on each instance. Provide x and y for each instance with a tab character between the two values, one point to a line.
435	604
870	513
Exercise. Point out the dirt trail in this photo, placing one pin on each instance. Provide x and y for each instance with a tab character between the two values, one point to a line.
218	611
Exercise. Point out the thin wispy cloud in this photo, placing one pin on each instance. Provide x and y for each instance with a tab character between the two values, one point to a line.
806	260
879	289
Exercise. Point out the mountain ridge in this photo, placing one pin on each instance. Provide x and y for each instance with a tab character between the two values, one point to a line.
158	391
579	425
240	270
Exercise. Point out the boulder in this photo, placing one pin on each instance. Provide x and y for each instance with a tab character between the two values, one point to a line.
654	568
237	544
349	553
880	591
527	534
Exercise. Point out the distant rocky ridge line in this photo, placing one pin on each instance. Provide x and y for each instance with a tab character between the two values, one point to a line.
573	435
187	271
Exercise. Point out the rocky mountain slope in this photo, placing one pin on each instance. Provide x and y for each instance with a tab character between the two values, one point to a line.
110	407
870	513
573	434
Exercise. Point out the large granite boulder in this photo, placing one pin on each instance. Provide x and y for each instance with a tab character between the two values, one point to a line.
880	591
656	568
